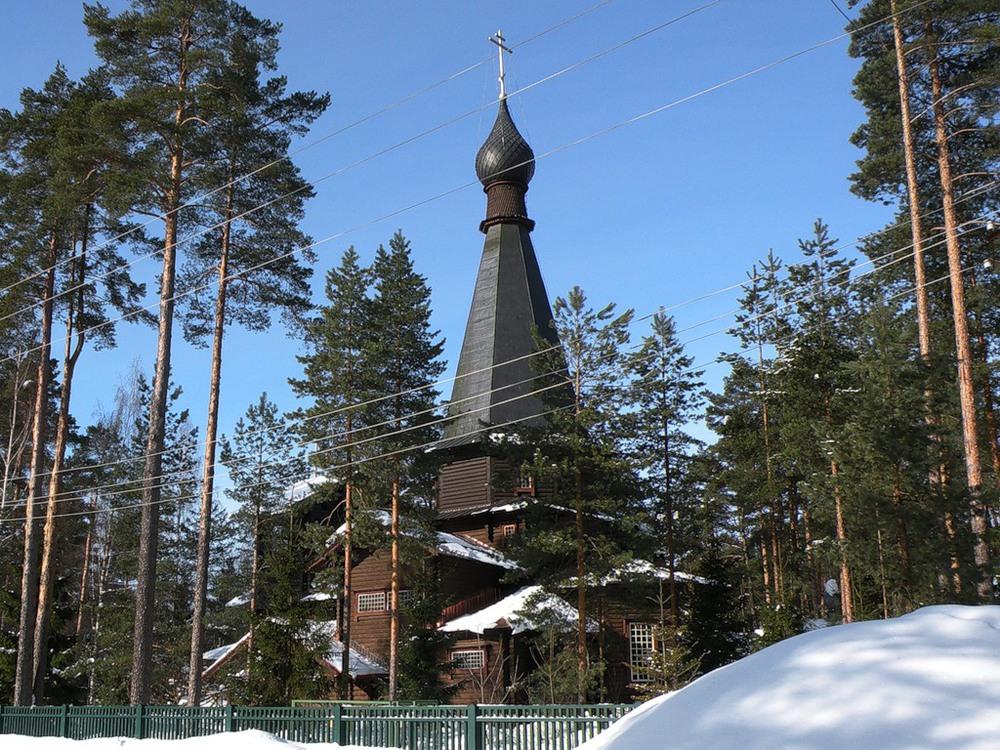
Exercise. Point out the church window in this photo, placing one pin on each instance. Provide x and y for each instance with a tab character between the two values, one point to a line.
641	648
468	658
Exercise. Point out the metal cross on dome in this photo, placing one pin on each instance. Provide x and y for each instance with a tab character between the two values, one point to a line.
498	40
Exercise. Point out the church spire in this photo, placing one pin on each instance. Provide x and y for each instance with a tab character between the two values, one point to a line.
495	379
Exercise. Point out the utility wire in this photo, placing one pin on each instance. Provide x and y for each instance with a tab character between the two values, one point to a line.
387	150
768	312
274	484
845	274
459	188
661	109
197	200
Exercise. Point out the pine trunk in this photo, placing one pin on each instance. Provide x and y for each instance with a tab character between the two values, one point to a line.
912	190
581	595
145	593
46	582
345	609
394	596
846	595
208	468
973	468
24	672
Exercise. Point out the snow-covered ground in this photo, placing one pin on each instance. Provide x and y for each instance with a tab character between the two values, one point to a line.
929	680
250	740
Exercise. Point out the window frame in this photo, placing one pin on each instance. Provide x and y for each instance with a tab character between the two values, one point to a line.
468	650
641	649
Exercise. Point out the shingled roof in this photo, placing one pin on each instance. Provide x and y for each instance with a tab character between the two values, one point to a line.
494	379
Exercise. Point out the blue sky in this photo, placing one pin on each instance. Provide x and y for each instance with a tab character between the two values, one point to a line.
655	213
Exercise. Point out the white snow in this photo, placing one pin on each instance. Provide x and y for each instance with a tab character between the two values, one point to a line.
304	487
451	545
928	680
508	612
248	740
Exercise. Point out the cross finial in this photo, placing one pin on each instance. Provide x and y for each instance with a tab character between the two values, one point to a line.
498	40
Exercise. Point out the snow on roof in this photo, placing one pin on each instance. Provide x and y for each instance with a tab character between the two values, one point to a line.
469	549
646	569
304	487
929	680
509	612
361	665
451	545
317	597
218	653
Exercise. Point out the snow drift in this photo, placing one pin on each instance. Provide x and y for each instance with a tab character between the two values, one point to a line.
929	680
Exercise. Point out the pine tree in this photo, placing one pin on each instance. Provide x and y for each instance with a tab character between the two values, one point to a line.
255	200
161	57
577	454
664	396
339	375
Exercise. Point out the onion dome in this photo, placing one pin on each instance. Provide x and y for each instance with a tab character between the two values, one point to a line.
505	164
505	156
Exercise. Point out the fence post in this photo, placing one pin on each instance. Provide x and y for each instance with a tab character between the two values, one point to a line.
137	721
471	730
338	724
229	717
63	722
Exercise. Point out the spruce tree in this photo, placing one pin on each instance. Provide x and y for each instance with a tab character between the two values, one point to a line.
339	376
578	458
664	396
406	359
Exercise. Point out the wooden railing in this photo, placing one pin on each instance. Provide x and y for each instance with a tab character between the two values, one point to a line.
478	601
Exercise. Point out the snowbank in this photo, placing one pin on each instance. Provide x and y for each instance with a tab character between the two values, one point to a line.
928	680
249	740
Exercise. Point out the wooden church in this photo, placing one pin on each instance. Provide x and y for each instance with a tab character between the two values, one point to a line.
475	518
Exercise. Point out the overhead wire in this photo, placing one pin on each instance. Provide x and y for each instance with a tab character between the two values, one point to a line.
713	88
464	186
845	273
274	483
136	484
382	152
373	401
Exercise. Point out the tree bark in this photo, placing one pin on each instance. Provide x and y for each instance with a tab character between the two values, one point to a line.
24	671
912	190
208	468
394	596
47	579
970	440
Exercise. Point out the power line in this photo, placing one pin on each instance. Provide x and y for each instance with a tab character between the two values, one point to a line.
464	186
389	149
134	485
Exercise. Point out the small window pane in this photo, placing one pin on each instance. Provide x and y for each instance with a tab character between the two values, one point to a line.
641	648
371	601
468	658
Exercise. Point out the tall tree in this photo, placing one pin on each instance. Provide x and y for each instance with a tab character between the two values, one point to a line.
162	57
255	245
407	361
664	396
579	455
338	374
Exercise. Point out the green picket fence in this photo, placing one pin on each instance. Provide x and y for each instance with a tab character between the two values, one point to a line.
414	727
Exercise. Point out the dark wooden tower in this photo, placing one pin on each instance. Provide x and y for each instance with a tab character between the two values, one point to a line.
495	380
